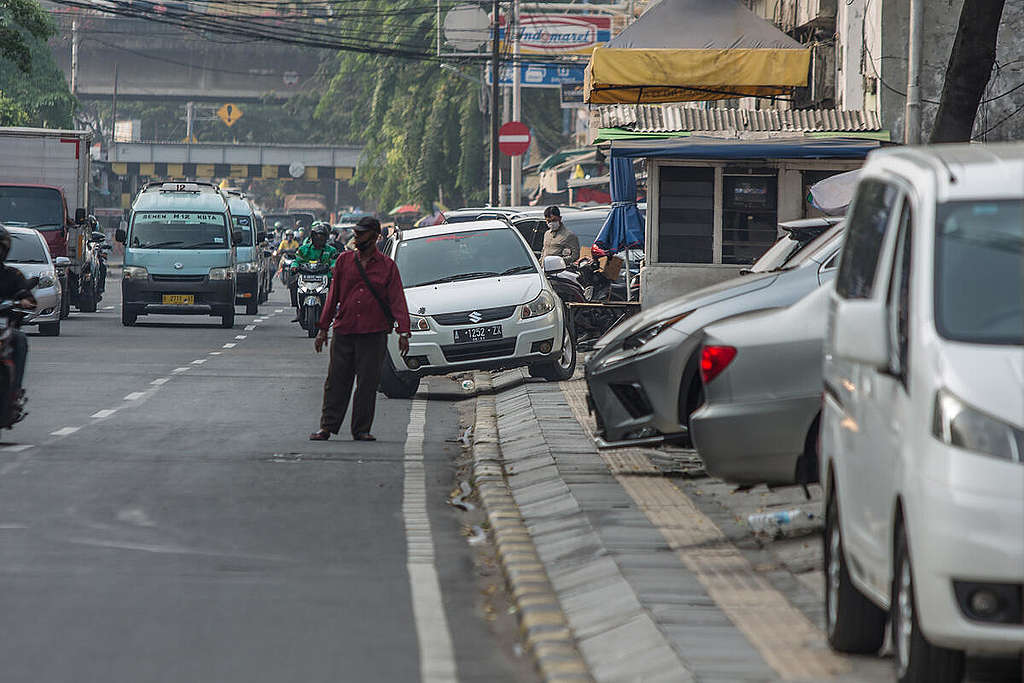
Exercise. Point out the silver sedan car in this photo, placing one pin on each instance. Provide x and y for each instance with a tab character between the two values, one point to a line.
762	377
30	255
643	378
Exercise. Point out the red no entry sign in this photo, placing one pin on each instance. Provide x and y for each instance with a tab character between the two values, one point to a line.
514	138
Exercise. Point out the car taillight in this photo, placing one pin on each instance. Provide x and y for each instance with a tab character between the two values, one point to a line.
714	359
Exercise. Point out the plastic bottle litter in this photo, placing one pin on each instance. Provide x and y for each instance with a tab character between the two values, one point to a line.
468	385
771	523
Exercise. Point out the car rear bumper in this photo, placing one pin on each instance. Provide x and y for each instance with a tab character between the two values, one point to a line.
247	287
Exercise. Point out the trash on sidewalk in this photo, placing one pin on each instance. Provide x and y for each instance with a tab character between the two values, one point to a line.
478	536
460	501
772	523
468	385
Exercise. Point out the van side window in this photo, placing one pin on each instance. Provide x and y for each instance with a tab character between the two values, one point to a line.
899	291
869	217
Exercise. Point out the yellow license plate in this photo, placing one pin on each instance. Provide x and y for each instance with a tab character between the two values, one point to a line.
179	299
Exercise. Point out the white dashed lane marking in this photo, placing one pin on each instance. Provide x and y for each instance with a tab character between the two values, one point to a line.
161	381
17	448
250	328
230	345
241	336
278	310
134	396
64	431
104	413
179	370
199	361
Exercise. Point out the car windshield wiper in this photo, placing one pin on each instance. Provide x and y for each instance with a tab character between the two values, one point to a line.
520	269
460	276
205	244
157	245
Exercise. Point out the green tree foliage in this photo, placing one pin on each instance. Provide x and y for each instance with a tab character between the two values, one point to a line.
33	89
420	124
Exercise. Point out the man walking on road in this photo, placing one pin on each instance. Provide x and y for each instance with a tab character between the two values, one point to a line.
365	303
559	240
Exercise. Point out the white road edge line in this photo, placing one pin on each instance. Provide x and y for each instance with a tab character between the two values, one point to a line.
104	413
437	657
134	396
64	431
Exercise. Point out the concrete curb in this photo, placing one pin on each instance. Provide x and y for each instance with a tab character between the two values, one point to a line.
541	620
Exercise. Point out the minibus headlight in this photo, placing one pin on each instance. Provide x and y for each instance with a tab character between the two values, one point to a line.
222	273
955	423
135	273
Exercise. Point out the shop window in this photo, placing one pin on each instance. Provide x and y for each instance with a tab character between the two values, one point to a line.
749	217
686	215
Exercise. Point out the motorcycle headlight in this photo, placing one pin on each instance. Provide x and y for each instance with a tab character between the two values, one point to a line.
222	273
135	273
638	339
419	323
247	267
955	423
542	305
47	280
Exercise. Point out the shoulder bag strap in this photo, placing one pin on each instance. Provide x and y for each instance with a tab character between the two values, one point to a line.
369	285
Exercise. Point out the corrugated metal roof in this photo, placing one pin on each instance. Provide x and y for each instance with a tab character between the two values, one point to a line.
666	118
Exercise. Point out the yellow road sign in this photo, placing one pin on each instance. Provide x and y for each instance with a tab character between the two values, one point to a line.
229	114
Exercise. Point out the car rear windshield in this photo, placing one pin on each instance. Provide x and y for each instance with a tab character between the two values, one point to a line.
179	230
244	223
462	256
979	249
26	249
31	207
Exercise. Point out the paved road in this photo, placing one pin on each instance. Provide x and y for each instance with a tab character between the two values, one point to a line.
164	518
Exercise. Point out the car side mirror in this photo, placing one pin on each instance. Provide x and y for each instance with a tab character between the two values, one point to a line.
97	237
236	236
862	333
554	264
120	235
80	215
62	262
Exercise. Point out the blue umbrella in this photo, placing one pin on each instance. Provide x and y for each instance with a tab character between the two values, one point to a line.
624	227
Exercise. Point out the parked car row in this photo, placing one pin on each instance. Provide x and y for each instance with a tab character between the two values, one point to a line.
888	364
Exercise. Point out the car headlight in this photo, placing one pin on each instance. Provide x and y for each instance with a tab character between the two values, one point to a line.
955	423
47	280
135	273
247	267
641	337
542	305
222	273
419	323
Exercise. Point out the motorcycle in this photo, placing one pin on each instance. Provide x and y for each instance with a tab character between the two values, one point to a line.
588	322
314	281
11	409
287	256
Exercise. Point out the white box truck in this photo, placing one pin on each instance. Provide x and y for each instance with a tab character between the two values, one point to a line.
44	184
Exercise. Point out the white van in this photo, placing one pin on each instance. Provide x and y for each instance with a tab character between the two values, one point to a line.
922	430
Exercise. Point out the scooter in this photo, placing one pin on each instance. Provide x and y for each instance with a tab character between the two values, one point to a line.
287	256
588	322
314	281
11	409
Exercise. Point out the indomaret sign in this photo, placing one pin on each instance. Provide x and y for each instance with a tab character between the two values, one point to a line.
562	33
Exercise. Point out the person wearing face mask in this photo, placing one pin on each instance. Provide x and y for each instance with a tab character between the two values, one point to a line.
365	303
559	240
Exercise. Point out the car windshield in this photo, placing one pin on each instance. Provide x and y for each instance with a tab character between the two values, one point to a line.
462	256
178	230
243	223
26	249
978	269
31	207
587	226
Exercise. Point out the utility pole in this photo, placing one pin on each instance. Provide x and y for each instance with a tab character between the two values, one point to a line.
912	115
495	104
516	181
113	121
74	57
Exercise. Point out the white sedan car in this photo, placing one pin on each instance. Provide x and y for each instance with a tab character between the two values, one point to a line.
30	255
478	300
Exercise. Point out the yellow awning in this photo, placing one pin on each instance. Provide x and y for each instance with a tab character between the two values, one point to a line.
637	75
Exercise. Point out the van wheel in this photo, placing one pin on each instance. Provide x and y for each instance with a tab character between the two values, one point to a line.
855	624
227	321
563	367
65	304
252	307
50	329
394	384
917	660
87	300
128	317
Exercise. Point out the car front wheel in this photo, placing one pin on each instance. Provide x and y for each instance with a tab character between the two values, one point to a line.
917	660
563	367
394	384
855	624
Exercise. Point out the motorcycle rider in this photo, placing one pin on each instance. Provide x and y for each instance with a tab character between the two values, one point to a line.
559	240
288	243
316	249
13	283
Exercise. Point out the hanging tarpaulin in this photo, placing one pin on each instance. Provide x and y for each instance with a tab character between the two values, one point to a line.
624	227
693	50
834	194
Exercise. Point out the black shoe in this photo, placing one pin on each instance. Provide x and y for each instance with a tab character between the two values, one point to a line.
295	319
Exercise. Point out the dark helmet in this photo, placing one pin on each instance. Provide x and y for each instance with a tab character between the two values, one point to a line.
5	243
320	228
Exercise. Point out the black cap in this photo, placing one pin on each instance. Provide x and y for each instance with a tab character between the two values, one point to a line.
366	224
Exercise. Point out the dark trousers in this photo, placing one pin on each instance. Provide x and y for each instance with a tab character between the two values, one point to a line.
358	357
19	354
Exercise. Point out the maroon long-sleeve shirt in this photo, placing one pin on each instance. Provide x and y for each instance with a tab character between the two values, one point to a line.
351	306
